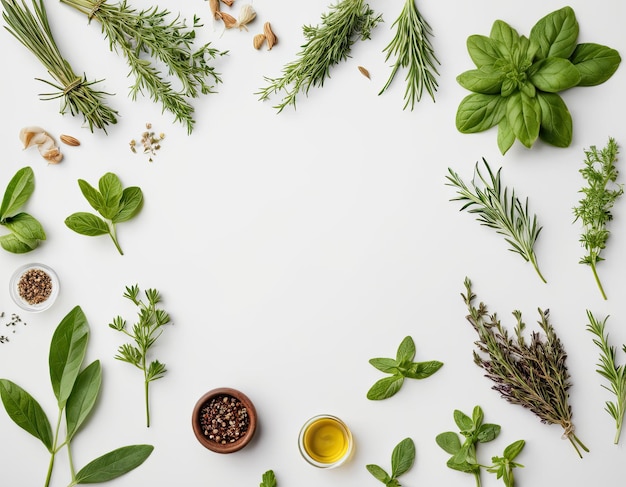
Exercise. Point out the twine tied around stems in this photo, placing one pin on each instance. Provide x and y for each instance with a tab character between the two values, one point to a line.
94	10
568	430
73	85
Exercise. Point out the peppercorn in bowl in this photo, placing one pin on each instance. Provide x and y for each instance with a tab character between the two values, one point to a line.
34	287
224	420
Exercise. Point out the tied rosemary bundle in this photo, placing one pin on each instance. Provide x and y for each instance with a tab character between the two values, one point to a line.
77	93
412	49
594	210
146	36
532	374
326	45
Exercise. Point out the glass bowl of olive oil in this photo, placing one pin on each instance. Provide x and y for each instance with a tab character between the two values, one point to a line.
325	441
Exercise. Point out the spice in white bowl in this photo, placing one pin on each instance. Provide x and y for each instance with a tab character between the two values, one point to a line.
34	287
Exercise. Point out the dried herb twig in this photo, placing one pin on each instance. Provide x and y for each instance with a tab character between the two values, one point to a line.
496	209
77	93
412	49
533	375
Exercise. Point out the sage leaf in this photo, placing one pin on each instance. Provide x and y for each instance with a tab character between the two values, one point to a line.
83	397
595	63
26	228
129	205
402	457
524	115
113	464
378	473
111	189
555	74
19	189
13	244
385	388
87	224
26	412
387	365
556	33
449	442
91	194
483	51
556	120
67	351
478	112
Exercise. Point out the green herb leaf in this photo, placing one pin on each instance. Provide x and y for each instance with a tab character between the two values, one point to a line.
13	244
422	370
92	195
556	121
506	37
487	432
26	412
129	205
17	193
83	397
268	479
87	224
449	442
506	137
555	74
514	449
406	350
524	116
463	421
483	51
595	63
556	33
387	365
113	464
485	80
67	351
110	187
385	388
478	112
402	457
26	228
378	473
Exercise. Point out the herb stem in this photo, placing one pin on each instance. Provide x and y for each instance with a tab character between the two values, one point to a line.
596	277
55	448
113	234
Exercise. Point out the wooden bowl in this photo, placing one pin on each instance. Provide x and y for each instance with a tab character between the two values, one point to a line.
224	420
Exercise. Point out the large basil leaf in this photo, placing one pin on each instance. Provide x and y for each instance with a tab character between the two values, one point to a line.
26	228
67	351
11	243
556	34
556	120
130	204
506	137
483	50
83	397
506	37
87	224
555	74
524	115
478	112
19	189
595	63
91	194
484	80
26	412
402	457
111	190
113	464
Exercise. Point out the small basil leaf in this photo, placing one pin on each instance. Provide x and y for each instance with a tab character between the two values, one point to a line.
506	137
92	195
113	464
555	74
524	115
385	388
406	350
487	432
26	228
556	33
83	397
556	120
11	243
506	37
449	441
111	190
422	370
378	473
129	205
87	224
19	189
477	415
387	365
514	449
595	63
463	421
484	80
26	412
67	351
482	50
402	457
478	112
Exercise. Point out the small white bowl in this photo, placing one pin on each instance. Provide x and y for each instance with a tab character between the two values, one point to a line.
23	303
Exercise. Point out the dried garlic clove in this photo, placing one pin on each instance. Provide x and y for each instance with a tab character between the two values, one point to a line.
53	156
215	8
228	2
258	40
69	140
246	15
270	36
28	133
364	72
229	20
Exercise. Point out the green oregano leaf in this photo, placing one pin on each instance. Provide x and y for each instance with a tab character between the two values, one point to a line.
402	457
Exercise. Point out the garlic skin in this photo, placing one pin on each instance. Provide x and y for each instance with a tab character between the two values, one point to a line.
46	145
28	133
246	15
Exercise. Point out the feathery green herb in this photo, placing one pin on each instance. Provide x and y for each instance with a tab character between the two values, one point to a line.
326	45
411	48
268	479
76	390
613	373
503	466
77	93
26	231
147	38
496	209
400	368
144	333
531	374
402	459
594	210
115	203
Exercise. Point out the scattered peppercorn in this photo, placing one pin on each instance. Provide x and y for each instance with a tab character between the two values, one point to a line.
35	286
15	320
224	419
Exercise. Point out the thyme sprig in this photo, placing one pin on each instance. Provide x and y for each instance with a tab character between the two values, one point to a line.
77	93
532	374
613	373
411	47
496	209
326	45
594	210
148	36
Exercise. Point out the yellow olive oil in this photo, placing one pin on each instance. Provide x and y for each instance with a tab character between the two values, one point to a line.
326	440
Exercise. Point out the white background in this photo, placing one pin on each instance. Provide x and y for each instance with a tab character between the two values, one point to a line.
291	248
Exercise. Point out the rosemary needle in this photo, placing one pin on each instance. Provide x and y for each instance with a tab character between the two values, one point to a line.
77	93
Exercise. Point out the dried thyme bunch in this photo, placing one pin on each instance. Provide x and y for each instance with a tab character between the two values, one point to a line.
326	45
412	49
147	37
77	93
533	375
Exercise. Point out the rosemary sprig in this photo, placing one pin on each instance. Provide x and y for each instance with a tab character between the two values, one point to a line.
533	375
77	93
594	209
411	48
496	209
147	37
613	373
326	45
